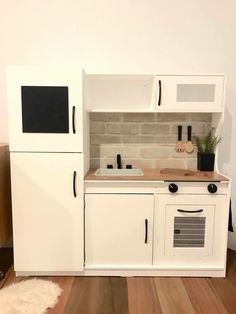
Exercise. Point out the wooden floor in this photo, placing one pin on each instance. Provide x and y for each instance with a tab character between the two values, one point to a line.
144	295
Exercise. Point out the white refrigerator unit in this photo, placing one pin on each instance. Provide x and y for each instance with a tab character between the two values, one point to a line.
47	168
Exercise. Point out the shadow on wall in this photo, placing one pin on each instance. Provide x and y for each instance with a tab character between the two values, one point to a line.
225	149
224	163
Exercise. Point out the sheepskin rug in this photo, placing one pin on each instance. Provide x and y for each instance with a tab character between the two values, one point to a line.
33	296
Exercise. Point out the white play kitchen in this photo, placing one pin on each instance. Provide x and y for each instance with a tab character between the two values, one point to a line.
74	214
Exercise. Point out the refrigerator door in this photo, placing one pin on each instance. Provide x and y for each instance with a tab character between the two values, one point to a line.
47	207
45	109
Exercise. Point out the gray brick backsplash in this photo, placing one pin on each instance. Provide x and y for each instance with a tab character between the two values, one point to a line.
94	163
103	139
113	128
139	117
121	128
94	151
131	129
192	163
145	140
106	116
166	139
155	152
170	163
127	151
97	128
138	139
171	117
140	163
202	117
155	128
208	127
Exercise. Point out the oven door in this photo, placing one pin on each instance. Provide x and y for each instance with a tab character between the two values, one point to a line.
45	109
189	229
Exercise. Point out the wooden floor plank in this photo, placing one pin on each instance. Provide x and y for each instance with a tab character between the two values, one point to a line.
82	290
119	295
226	291
9	278
97	295
65	284
202	296
231	267
142	296
173	296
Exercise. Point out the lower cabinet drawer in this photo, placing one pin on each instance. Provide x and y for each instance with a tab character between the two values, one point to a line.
118	230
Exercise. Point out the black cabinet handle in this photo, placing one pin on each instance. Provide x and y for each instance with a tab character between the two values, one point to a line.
179	132
189	132
159	99
73	119
146	231
190	211
74	181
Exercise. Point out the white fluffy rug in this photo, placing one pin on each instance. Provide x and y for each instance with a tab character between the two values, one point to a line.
33	296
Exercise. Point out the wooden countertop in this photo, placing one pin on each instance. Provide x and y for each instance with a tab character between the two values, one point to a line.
162	175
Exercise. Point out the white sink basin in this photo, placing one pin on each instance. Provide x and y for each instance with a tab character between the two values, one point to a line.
118	172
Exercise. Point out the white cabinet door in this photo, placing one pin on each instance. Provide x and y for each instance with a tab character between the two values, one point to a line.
45	109
190	230
47	194
119	93
118	230
186	93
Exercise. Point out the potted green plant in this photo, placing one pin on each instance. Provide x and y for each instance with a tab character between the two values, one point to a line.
206	151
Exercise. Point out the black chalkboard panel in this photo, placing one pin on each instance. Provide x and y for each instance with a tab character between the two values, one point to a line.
45	109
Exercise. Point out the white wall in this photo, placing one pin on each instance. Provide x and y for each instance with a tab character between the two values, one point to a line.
137	35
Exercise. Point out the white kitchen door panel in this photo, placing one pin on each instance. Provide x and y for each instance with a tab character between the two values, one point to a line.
47	218
115	230
190	93
27	76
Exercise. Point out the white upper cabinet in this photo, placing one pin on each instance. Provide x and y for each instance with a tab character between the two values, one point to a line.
155	93
124	93
45	109
189	93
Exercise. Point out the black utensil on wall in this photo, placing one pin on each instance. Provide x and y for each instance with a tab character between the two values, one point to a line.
189	145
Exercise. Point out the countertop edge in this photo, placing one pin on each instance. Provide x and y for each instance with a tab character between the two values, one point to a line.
154	175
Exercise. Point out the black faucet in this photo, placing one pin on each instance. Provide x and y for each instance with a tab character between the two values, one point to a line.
118	160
